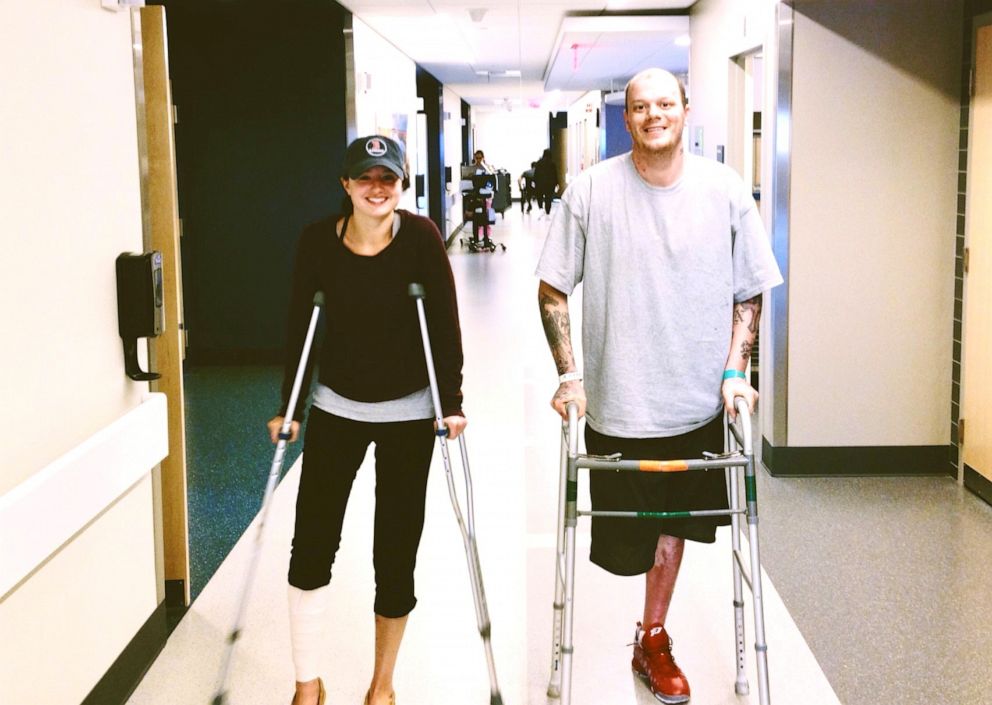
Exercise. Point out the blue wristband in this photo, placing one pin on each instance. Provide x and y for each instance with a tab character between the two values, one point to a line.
734	374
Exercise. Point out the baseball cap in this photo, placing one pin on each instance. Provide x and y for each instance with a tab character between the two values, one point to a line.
374	150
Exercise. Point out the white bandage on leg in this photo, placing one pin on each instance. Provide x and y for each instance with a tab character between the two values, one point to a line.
306	616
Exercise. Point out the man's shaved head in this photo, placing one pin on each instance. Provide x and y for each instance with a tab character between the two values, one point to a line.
651	73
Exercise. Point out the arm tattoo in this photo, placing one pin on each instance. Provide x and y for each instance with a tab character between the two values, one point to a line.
558	331
753	307
746	350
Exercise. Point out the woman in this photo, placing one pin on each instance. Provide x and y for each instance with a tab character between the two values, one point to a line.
372	388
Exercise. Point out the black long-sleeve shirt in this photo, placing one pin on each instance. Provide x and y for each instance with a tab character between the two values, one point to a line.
372	348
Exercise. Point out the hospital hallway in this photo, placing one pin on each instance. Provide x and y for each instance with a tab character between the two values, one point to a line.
874	586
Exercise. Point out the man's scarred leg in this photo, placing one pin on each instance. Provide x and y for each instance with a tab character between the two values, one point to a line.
653	660
660	580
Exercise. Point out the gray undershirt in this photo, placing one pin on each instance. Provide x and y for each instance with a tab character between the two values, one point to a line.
412	407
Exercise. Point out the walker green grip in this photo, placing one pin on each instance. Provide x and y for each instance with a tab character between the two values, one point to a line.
416	290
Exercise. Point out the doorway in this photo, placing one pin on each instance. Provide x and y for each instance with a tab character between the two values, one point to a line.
975	426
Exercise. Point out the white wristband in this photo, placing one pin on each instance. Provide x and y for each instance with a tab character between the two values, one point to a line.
570	377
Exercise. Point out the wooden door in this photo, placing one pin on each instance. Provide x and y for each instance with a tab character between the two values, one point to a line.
976	392
169	348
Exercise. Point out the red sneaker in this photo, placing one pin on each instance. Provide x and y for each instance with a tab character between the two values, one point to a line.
653	663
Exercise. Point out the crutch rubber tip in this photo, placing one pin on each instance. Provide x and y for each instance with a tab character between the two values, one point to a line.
416	290
318	299
235	635
219	699
495	699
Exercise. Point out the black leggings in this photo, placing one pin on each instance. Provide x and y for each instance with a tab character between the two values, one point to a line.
334	448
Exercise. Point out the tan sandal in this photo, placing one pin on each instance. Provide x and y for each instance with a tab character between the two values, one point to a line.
392	698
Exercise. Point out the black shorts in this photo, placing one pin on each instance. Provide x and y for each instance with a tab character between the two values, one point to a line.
627	546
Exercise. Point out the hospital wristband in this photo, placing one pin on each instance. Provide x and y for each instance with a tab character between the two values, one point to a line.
570	377
733	374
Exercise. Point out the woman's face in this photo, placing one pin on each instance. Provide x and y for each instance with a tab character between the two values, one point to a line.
376	192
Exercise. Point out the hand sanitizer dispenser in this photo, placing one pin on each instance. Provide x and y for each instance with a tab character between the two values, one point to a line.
139	306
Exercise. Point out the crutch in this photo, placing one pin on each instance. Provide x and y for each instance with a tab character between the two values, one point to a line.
467	529
568	513
220	697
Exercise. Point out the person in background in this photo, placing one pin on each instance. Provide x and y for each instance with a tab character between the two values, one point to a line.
372	388
546	181
482	230
673	260
479	160
527	188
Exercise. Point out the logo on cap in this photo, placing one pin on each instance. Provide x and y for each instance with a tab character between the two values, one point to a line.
376	147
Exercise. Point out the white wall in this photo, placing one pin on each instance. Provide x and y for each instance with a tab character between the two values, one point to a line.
583	134
386	100
511	140
453	156
719	29
874	148
69	192
874	181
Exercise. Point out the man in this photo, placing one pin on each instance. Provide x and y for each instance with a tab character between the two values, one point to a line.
527	188
673	259
546	181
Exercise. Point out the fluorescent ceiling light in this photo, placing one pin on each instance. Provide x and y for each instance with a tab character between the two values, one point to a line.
683	41
513	73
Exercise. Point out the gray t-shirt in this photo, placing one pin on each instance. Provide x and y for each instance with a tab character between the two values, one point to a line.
661	270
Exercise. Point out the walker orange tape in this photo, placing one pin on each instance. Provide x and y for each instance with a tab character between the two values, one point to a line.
663	465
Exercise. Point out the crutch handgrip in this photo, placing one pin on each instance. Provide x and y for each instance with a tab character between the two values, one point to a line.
416	290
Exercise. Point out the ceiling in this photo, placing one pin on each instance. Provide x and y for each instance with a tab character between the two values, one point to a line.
532	53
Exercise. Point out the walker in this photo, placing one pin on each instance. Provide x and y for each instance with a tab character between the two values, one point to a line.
739	454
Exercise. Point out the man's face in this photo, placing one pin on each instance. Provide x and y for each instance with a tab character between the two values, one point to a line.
655	116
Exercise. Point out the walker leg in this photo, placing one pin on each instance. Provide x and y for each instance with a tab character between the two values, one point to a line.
554	683
760	647
741	686
567	649
571	520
